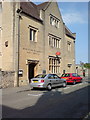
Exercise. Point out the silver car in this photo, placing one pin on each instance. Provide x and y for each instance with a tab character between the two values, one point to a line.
47	81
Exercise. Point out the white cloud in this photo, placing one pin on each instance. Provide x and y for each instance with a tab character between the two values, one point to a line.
73	17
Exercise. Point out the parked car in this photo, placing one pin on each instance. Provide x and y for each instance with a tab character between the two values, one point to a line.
47	81
71	77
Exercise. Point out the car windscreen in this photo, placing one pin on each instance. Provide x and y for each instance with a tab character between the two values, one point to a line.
40	76
65	75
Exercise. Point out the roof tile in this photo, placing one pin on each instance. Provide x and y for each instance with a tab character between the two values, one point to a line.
30	9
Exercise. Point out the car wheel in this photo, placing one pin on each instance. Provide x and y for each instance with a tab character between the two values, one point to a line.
49	87
32	88
81	81
64	84
74	82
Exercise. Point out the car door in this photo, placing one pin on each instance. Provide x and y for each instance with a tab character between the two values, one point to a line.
56	79
59	81
78	78
75	77
51	80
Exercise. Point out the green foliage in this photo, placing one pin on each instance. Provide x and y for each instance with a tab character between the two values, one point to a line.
87	65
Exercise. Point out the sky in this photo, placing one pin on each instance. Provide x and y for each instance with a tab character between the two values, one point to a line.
75	17
88	32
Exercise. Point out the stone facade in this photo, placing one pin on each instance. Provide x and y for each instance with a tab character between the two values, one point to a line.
69	52
7	79
30	39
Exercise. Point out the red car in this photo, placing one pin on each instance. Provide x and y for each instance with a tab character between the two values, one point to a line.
72	77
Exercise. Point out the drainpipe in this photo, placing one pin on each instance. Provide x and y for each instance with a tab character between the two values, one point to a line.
18	50
17	39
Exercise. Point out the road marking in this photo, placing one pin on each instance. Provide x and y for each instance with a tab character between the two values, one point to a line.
35	94
78	84
60	90
66	88
81	84
74	86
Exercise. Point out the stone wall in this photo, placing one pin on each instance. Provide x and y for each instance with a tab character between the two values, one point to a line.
6	79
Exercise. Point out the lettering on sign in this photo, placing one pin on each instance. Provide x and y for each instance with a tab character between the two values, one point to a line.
32	51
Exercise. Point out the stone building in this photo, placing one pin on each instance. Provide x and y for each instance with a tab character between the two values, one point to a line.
82	71
34	40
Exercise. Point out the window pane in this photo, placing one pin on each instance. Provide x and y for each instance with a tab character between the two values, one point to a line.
59	44
50	61
30	34
54	65
54	42
49	40
52	69
34	35
49	68
50	20
53	21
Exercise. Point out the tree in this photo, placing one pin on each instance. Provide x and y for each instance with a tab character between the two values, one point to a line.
81	64
87	65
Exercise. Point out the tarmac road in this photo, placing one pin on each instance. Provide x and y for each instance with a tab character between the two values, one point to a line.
69	102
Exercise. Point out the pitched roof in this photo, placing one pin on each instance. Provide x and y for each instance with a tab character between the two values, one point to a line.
33	10
30	9
43	5
69	33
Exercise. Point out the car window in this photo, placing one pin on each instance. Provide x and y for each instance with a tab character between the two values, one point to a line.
40	76
75	75
50	76
55	76
65	75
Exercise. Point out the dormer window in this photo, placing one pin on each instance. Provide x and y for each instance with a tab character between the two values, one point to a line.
54	21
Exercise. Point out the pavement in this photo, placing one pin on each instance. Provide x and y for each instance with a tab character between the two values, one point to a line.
12	90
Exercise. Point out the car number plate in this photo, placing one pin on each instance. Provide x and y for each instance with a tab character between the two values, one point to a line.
35	81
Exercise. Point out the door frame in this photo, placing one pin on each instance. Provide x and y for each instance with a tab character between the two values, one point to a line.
30	62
